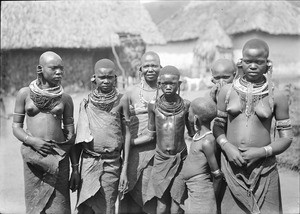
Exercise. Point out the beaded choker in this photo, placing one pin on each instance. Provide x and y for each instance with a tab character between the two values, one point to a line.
104	101
45	99
170	108
250	93
197	137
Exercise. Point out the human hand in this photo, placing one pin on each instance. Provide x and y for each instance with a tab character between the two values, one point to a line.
252	154
234	155
123	184
41	146
75	180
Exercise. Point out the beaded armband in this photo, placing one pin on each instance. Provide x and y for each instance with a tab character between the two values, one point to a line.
217	173
17	125
284	128
221	119
284	124
127	122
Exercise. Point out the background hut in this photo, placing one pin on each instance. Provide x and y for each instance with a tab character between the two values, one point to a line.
80	32
276	22
213	43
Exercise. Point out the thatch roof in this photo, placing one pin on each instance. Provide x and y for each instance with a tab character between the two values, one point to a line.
272	17
212	37
73	24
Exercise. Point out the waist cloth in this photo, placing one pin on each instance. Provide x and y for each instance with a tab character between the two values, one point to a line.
165	175
46	179
201	196
99	171
249	188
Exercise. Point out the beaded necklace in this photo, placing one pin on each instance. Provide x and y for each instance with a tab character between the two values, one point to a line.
196	137
45	99
172	108
104	101
250	93
141	96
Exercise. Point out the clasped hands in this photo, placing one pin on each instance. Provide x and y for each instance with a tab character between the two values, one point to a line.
243	155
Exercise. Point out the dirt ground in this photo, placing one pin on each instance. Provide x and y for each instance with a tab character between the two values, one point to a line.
11	167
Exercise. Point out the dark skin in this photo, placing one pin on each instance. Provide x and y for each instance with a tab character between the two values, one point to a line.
105	80
208	145
169	84
41	137
244	147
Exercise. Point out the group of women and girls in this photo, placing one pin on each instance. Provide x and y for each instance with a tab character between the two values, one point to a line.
131	146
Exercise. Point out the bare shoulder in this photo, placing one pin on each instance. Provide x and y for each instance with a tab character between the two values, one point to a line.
187	103
209	143
23	92
280	96
67	98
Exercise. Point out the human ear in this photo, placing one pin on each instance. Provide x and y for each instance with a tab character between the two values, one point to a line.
39	69
93	79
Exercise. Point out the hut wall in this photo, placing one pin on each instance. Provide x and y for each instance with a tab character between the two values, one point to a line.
18	67
179	54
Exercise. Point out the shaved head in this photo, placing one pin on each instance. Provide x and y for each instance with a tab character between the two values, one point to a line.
257	44
150	55
169	69
223	66
105	64
205	108
47	57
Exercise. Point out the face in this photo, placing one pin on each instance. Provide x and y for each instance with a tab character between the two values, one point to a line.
150	68
254	64
52	70
105	79
169	84
222	75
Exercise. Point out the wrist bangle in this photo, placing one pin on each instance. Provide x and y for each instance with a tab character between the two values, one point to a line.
217	173
26	138
268	150
74	165
222	142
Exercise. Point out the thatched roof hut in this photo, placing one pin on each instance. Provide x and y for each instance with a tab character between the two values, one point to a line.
73	24
272	17
81	32
212	43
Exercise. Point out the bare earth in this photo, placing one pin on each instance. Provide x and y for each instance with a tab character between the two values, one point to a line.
11	167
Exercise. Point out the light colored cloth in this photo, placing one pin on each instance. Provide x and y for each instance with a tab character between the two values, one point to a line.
201	196
46	181
250	190
165	175
101	135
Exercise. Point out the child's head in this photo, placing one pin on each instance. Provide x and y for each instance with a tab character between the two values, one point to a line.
105	75
202	111
169	80
223	71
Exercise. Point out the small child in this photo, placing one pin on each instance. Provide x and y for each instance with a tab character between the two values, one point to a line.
223	72
201	161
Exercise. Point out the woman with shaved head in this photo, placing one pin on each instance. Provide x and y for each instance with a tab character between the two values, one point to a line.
246	108
45	143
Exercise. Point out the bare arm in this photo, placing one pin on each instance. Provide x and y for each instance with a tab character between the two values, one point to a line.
189	125
68	119
151	128
220	125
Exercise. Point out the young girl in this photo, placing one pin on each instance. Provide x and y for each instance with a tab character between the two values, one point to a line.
201	162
